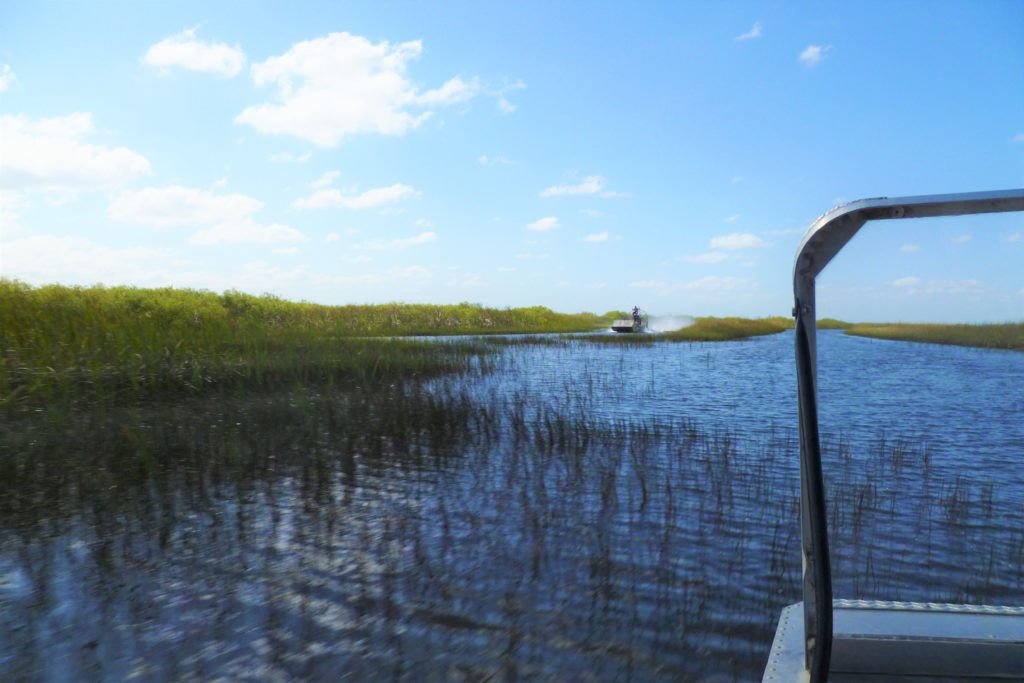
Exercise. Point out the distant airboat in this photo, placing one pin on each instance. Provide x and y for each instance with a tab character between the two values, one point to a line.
638	323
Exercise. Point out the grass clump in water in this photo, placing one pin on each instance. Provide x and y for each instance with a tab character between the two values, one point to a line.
993	336
724	329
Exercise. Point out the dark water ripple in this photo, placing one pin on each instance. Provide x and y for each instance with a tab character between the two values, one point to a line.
585	512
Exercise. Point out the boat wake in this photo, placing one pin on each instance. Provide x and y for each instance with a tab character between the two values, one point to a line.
668	323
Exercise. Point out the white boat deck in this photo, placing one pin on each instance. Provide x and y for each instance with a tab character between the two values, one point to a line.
906	641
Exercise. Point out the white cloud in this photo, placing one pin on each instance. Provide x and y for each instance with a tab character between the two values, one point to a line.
176	205
220	184
590	185
424	223
48	154
401	243
737	240
754	32
10	202
325	180
717	284
731	219
504	105
593	213
914	286
228	217
543	224
380	196
246	231
43	259
7	78
289	158
186	51
288	251
499	160
332	237
396	273
1015	237
961	239
597	237
531	256
506	269
910	248
341	85
708	257
813	54
1019	137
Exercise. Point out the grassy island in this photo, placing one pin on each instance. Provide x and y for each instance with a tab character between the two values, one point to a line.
993	336
724	329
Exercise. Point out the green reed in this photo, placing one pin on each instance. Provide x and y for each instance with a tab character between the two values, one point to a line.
126	343
993	336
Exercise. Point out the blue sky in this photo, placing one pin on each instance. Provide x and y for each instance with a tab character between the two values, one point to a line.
582	156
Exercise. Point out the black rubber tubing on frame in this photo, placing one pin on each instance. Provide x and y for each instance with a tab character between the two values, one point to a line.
821	565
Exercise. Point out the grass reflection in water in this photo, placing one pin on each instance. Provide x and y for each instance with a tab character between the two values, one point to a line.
443	530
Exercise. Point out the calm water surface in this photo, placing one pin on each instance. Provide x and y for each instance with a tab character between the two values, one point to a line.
583	512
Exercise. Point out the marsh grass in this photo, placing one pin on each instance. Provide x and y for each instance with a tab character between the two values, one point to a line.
724	329
120	343
994	336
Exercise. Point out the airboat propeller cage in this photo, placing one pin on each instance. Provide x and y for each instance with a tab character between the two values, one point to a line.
825	238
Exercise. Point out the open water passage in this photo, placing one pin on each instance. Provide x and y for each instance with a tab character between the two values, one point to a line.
580	511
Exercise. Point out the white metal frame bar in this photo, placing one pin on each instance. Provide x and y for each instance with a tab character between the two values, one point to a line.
825	238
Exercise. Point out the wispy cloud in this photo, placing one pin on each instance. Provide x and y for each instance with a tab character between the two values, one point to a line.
229	217
186	51
597	237
504	105
590	185
325	180
498	160
332	237
289	158
708	257
1019	137
7	78
1014	237
341	85
401	243
813	54
246	231
180	206
731	219
754	32
380	196
738	240
961	239
915	286
910	248
543	224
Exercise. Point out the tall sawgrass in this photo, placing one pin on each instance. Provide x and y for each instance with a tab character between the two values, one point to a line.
723	329
994	336
124	342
